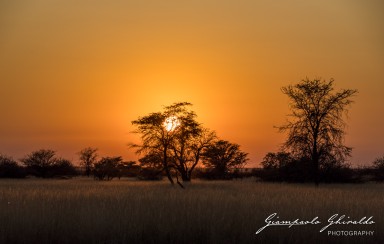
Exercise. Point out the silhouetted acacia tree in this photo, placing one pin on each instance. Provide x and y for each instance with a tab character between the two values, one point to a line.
88	157
43	163
177	143
107	168
223	156
316	129
39	162
9	168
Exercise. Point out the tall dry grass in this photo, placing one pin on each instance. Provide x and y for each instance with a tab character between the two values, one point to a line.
86	211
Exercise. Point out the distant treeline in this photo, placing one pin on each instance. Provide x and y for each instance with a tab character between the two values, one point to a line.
284	167
276	167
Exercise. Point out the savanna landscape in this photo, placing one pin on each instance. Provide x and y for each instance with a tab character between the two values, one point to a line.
146	121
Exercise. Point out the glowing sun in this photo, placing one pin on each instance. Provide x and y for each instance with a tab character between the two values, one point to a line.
171	123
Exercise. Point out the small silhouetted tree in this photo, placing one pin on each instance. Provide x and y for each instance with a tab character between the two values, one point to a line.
88	157
10	169
316	129
39	162
43	163
222	157
107	168
273	165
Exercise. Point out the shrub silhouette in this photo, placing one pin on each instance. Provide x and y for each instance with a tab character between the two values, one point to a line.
378	166
151	166
283	166
128	169
10	169
43	163
106	168
222	158
63	167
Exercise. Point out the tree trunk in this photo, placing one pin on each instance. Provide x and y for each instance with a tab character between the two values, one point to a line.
315	157
315	162
167	171
178	182
316	170
183	172
165	164
185	177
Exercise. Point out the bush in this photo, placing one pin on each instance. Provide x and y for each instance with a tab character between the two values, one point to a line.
63	167
277	167
107	168
10	169
213	174
128	169
43	163
151	166
378	166
148	173
338	173
205	173
222	158
282	166
299	170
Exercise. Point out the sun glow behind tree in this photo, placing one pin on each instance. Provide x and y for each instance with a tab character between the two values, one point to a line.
171	123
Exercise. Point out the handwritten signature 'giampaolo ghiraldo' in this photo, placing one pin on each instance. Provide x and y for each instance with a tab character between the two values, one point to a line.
273	220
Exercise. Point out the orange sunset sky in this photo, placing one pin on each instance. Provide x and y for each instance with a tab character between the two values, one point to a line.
75	73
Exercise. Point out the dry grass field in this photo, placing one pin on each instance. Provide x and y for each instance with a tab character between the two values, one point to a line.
82	210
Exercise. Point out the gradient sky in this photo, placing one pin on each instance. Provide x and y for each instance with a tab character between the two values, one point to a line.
75	73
